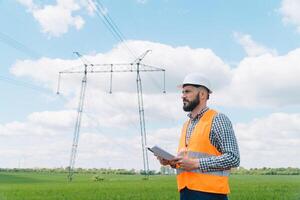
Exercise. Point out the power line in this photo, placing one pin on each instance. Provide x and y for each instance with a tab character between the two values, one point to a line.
23	84
18	45
29	86
26	50
109	23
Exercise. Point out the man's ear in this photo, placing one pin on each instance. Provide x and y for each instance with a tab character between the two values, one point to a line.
203	94
200	93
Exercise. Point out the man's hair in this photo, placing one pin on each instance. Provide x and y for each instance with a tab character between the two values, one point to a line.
201	87
205	88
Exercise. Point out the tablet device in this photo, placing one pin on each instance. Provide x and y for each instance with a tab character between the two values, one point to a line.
156	150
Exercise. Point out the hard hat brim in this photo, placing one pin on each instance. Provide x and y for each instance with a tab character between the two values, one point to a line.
182	85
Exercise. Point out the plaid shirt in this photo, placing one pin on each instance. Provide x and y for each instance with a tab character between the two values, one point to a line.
223	138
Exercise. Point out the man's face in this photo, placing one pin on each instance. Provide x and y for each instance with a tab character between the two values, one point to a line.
190	97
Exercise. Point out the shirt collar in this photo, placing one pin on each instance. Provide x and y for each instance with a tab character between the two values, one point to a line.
199	114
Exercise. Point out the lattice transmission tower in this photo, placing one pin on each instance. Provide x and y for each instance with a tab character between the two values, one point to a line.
136	67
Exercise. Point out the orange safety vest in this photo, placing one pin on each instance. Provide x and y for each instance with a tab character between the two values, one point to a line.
199	146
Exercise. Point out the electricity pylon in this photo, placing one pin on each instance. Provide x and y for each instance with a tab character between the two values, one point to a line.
135	66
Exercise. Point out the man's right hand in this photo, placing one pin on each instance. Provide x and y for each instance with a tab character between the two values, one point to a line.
163	161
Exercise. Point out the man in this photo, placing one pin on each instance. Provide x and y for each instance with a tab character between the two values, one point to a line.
207	148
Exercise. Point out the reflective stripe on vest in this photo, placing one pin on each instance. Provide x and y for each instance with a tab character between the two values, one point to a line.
192	154
199	146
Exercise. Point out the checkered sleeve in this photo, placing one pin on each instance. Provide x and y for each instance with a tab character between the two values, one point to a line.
223	138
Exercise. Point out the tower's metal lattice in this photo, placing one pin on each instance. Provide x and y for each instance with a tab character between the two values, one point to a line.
136	67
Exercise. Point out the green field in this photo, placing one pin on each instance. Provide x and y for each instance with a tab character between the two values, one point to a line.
44	186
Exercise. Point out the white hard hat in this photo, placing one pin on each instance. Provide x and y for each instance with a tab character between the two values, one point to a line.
196	79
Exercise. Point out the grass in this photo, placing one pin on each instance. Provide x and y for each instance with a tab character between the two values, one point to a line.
265	187
54	186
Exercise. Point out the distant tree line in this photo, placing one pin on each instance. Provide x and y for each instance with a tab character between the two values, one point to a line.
164	170
266	171
81	170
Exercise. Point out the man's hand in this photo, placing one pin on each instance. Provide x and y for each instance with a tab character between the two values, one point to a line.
164	162
188	164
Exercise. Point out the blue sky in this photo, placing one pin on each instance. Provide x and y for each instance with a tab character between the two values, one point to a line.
249	50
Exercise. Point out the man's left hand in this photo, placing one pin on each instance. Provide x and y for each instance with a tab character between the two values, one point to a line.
188	164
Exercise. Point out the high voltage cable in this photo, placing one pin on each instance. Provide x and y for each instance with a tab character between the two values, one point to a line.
24	49
18	45
107	20
117	34
22	84
109	23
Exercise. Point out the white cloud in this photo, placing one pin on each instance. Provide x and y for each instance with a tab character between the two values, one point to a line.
120	108
271	141
59	119
175	60
104	150
264	81
28	3
109	114
89	5
55	20
251	47
45	70
47	123
44	140
257	81
290	11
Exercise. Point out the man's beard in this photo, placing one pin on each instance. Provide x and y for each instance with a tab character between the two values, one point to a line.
189	106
